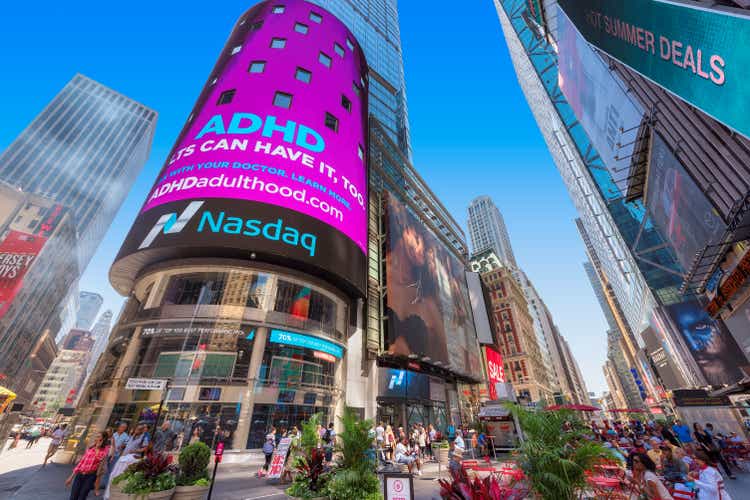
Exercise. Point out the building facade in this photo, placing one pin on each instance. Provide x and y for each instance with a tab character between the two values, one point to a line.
488	232
100	333
517	342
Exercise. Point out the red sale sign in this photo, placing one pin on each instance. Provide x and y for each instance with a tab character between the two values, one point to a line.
279	459
495	371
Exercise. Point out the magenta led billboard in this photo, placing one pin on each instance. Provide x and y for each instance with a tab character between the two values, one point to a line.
271	163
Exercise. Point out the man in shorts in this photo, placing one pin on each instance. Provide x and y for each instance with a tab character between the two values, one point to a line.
57	438
407	457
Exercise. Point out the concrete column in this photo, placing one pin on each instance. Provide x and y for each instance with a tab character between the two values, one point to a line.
247	402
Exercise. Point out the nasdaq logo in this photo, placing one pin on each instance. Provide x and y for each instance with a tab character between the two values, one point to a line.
171	223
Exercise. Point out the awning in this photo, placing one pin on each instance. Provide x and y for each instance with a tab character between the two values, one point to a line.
8	395
493	411
743	386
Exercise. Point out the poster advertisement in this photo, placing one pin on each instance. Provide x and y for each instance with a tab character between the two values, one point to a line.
708	340
18	252
495	370
276	468
699	54
609	115
428	308
273	158
678	207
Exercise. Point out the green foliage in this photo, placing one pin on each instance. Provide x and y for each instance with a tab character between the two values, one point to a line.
122	477
202	482
194	459
354	484
311	480
355	442
555	460
310	433
141	485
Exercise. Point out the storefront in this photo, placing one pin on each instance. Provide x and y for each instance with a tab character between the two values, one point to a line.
243	350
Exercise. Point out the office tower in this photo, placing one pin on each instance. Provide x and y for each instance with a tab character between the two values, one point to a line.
89	304
623	380
488	232
83	151
241	320
100	333
376	26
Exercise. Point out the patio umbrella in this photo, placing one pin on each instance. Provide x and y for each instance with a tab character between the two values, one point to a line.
627	410
574	407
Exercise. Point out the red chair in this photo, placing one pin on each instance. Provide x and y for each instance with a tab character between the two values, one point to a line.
682	495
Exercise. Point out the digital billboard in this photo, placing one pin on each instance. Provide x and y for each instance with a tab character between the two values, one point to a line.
495	370
739	325
678	207
609	115
428	309
18	251
272	160
712	347
697	53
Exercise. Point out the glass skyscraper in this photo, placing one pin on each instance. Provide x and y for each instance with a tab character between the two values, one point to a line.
89	304
83	151
376	26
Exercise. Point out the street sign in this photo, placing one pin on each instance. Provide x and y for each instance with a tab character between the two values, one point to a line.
279	459
219	451
398	486
146	384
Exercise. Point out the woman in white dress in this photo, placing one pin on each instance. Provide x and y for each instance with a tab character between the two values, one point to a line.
708	480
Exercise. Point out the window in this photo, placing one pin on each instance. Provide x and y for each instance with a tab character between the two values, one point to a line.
303	75
315	17
360	152
278	43
324	59
338	49
301	28
355	88
226	97
349	44
236	49
279	9
256	26
257	67
346	103
282	100
332	122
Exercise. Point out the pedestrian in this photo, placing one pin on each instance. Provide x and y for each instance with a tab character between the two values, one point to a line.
390	441
644	475
137	443
422	441
682	432
329	439
451	431
268	447
458	442
195	437
85	475
380	436
708	480
707	443
164	438
432	435
406	457
57	438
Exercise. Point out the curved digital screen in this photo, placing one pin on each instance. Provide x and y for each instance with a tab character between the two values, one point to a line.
272	160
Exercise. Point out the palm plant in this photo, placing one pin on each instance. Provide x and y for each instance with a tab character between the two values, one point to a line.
555	454
355	442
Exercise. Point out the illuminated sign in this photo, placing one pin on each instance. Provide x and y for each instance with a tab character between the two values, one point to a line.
699	54
306	341
730	286
495	370
18	252
266	174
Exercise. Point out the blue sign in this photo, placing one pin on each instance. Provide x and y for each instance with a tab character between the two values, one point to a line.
306	341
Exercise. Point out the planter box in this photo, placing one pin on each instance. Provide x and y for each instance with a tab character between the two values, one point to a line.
116	493
190	492
443	455
161	495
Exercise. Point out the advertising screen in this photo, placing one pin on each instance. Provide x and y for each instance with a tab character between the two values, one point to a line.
611	118
272	160
495	370
18	251
678	207
428	308
739	326
479	309
395	383
711	345
699	54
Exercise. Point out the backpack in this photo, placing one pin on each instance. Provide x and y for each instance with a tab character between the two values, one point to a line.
327	436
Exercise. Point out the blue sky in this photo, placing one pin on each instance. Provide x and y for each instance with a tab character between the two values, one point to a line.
472	131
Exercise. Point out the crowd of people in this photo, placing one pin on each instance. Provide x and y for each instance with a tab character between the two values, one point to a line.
661	458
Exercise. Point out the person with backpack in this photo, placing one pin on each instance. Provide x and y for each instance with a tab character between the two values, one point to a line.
328	441
268	446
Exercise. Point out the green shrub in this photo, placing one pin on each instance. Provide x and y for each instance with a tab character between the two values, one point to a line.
354	484
355	442
194	459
